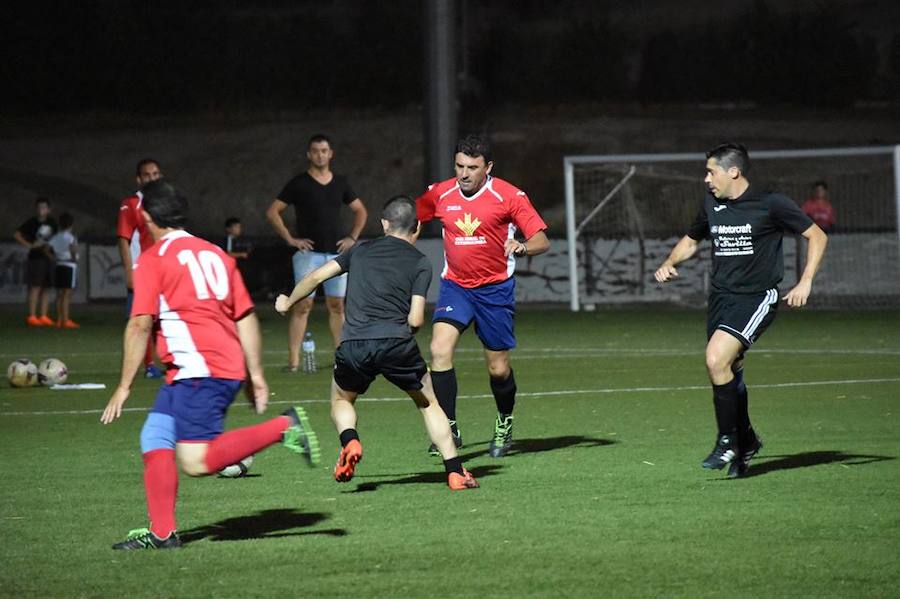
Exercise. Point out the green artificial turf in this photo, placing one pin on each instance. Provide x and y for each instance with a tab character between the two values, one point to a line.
602	495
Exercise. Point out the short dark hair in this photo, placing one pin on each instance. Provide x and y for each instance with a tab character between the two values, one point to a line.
400	213
232	220
821	184
165	204
65	220
318	137
41	200
731	154
144	162
474	146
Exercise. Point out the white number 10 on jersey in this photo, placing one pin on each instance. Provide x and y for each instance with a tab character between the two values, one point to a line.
208	273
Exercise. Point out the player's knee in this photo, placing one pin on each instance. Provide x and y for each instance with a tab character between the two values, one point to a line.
335	305
303	307
193	468
499	369
158	432
441	355
717	363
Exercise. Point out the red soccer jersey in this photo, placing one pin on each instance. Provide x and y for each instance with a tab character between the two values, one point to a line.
131	225
195	294
477	227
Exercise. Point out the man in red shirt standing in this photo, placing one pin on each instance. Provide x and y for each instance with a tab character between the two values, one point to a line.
134	238
190	293
818	208
480	215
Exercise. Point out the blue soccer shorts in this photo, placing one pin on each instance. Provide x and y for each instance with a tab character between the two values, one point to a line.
492	308
196	407
306	261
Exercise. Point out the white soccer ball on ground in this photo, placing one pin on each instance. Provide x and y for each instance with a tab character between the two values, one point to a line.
237	470
22	373
52	372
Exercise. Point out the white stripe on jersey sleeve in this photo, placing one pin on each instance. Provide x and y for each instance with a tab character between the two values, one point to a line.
511	259
190	362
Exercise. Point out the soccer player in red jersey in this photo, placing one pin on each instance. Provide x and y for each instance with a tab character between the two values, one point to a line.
134	238
480	215
191	295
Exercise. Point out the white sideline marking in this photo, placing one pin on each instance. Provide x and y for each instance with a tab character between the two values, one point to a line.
487	395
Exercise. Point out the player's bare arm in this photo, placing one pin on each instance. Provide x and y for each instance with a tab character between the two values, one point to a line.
816	242
416	316
273	214
537	244
21	239
125	255
251	344
683	250
330	269
137	332
360	216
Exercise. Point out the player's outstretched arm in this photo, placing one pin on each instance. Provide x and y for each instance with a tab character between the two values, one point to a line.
684	249
137	332
251	344
330	269
817	240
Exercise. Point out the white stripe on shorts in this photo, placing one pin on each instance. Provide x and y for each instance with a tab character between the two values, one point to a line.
761	311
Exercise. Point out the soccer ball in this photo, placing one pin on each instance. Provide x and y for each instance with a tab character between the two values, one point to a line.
237	470
52	372
22	373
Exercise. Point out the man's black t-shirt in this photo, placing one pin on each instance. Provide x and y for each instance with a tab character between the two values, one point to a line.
318	209
384	275
746	235
37	230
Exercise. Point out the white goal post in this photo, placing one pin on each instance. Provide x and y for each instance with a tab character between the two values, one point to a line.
596	186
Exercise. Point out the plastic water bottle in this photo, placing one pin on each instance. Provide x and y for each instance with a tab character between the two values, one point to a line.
309	354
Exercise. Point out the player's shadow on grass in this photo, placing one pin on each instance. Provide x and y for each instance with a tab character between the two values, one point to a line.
435	477
812	458
544	444
267	524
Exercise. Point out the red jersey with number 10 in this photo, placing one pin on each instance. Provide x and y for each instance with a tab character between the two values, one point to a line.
476	228
195	294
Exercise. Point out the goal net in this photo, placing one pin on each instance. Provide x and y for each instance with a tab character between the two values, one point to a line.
625	212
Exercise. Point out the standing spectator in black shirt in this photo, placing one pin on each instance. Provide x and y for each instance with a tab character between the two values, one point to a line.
746	226
388	280
34	234
317	196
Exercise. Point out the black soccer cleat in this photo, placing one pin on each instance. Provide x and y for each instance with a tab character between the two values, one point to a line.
750	446
142	538
502	441
457	439
725	452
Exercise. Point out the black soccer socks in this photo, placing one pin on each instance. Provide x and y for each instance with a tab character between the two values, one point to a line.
504	391
347	435
725	400
445	389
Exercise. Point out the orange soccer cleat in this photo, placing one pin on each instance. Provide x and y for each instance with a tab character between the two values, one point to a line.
69	324
350	456
461	482
46	321
33	321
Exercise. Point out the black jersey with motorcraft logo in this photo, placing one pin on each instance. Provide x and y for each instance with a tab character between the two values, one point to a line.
746	235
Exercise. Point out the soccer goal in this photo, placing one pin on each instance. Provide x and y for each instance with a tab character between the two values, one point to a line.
625	212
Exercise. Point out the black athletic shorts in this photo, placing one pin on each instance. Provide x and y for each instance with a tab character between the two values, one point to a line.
39	271
64	275
358	362
742	315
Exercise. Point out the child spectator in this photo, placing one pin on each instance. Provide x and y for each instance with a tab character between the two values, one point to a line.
65	249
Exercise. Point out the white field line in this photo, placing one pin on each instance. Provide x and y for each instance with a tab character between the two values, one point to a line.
573	352
526	394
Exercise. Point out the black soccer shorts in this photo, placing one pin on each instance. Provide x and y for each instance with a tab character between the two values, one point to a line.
743	315
358	362
39	271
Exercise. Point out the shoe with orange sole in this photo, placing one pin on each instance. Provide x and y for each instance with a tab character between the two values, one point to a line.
461	482
34	321
46	321
70	324
350	456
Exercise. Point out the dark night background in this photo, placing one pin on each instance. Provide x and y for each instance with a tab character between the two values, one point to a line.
226	93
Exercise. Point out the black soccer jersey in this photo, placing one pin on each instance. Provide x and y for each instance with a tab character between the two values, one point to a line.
746	235
384	275
318	208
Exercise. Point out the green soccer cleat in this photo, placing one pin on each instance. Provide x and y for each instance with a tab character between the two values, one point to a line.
502	441
457	439
142	538
300	437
